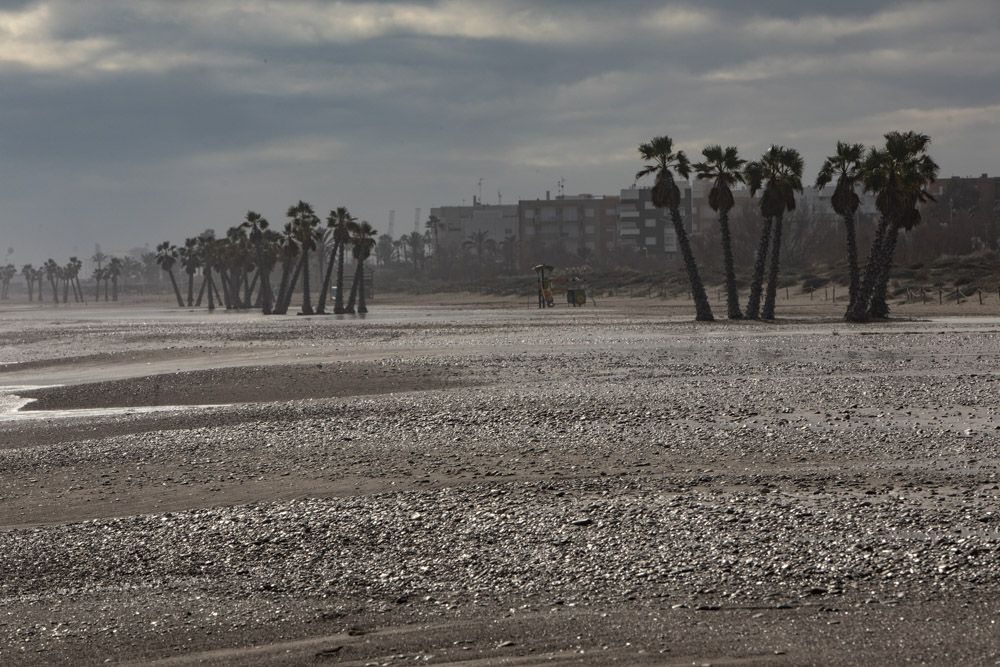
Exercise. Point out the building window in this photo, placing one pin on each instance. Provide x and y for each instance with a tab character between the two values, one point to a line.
588	212
548	213
569	214
650	240
529	214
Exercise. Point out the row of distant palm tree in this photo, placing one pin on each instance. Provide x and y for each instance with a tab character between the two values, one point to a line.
61	278
245	259
898	174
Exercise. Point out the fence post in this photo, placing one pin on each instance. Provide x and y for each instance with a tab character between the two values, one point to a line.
786	293
923	295
826	294
940	296
835	294
980	297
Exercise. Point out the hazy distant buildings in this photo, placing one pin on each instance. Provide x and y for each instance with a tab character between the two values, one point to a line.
460	224
569	228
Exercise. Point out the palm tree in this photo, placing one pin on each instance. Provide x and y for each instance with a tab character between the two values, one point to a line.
98	278
336	225
258	226
303	222
663	162
724	168
52	272
166	257
28	271
114	271
363	240
191	262
74	267
898	175
344	226
846	167
779	173
6	274
288	251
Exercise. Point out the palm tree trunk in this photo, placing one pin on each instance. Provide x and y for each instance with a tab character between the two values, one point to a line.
114	289
879	307
177	291
757	284
286	299
191	290
852	259
201	291
772	279
66	290
286	274
97	291
55	290
362	306
354	291
307	308
224	281
732	296
249	287
703	310
858	312
338	301
210	288
266	295
327	277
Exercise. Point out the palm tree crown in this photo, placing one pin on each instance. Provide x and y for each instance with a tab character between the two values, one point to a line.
659	152
899	174
779	173
724	168
845	166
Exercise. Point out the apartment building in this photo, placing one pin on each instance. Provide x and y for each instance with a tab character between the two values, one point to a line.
568	228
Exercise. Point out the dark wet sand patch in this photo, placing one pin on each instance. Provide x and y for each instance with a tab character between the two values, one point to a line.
246	384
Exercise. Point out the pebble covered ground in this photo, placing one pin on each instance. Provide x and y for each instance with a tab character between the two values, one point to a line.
578	487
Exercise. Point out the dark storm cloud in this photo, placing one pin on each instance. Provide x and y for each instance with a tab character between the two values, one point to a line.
127	122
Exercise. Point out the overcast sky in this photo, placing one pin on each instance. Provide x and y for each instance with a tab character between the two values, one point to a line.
134	121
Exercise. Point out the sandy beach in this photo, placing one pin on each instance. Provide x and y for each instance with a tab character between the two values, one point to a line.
468	480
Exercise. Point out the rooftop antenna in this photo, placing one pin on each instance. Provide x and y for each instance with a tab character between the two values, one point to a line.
392	223
499	198
562	187
480	191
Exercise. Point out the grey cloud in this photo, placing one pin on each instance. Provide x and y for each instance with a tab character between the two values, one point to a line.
126	122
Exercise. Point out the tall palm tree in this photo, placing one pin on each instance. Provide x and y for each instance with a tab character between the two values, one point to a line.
663	162
898	174
257	226
52	272
28	271
303	222
114	272
779	173
166	257
191	262
363	242
724	168
336	223
288	251
74	266
845	166
344	226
